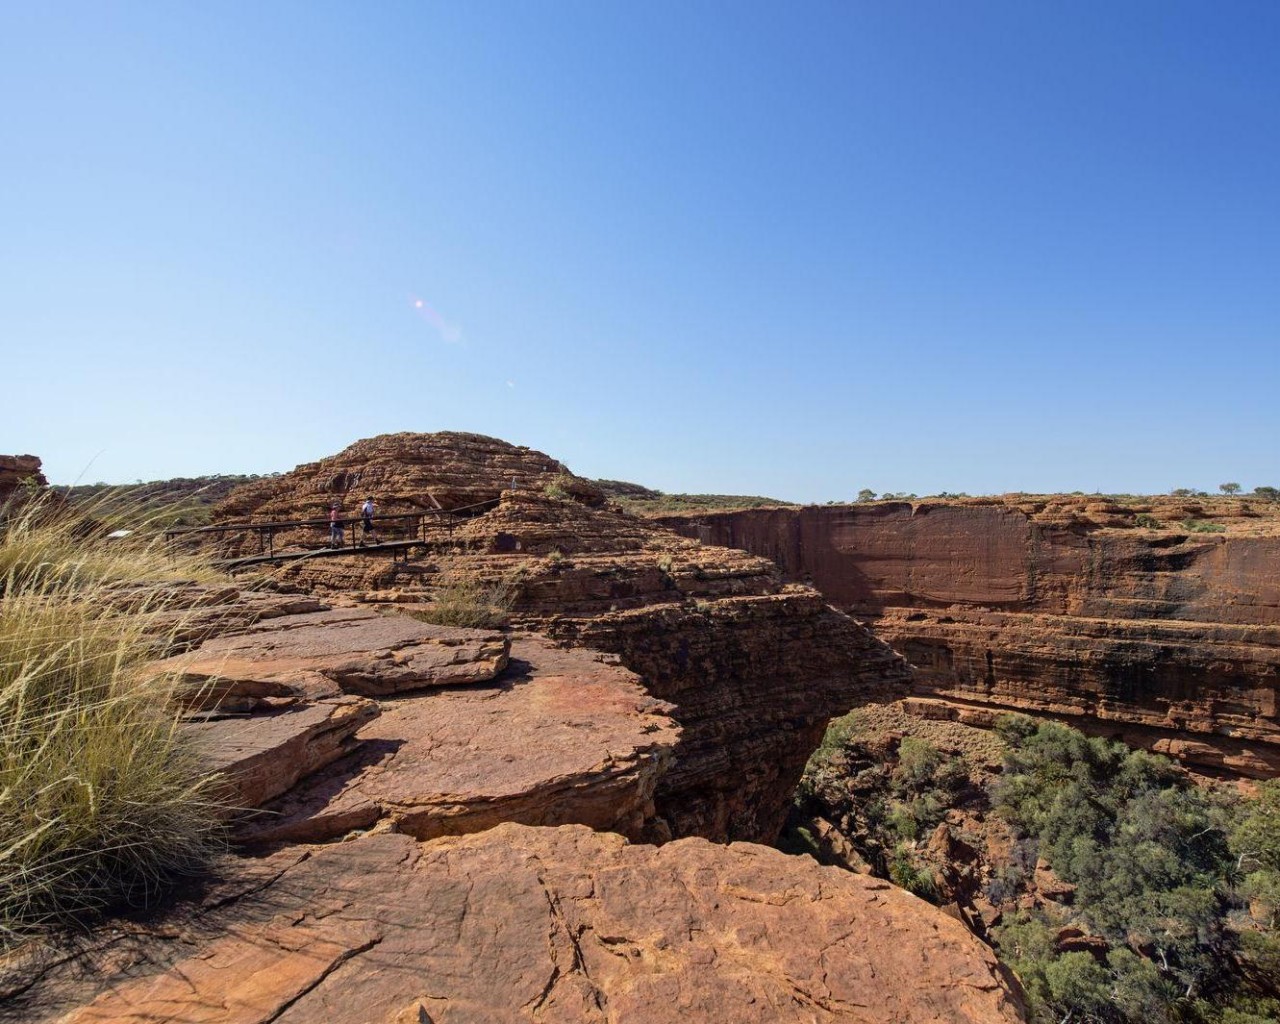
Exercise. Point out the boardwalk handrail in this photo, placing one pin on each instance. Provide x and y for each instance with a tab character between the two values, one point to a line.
285	524
288	524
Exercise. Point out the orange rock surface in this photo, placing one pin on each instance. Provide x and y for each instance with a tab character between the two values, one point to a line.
404	473
527	924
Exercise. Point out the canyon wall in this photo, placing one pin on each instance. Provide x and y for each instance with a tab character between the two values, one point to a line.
1162	633
754	667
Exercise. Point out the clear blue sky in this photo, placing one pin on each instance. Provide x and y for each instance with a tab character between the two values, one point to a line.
792	249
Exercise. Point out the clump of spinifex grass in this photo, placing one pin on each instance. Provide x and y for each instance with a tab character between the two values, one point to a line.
47	546
102	801
465	601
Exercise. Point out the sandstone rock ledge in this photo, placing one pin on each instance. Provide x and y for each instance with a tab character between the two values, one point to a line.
526	924
560	738
465	729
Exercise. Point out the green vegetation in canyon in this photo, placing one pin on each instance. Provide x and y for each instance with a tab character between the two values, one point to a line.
1171	888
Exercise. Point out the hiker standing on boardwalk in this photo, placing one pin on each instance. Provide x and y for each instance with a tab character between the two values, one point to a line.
335	526
366	510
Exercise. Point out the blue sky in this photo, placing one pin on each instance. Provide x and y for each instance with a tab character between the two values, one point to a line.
791	249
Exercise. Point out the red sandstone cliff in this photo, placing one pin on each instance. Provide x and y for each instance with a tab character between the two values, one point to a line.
1169	636
755	668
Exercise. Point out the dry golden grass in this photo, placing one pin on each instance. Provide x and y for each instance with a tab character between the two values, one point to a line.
101	800
466	601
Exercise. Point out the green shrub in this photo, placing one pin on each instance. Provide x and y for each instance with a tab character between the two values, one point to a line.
1146	850
1203	526
839	732
906	875
559	488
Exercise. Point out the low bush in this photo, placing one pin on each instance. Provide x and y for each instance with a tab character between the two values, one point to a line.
560	488
1167	872
469	602
1203	526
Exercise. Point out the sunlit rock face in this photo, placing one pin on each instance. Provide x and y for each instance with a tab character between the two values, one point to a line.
1120	618
405	473
537	924
755	667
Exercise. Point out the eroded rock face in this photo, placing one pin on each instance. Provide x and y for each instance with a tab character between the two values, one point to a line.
324	653
524	924
1063	607
263	756
560	738
473	738
17	472
754	667
405	473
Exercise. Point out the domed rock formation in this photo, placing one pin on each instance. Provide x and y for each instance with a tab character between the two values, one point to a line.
405	473
453	779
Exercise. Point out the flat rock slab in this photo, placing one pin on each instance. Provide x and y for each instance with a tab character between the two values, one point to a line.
565	925
561	738
264	755
336	651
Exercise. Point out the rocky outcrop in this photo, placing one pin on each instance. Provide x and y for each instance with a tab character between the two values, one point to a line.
467	796
754	667
405	473
262	756
324	653
481	730
1158	633
524	924
18	472
561	737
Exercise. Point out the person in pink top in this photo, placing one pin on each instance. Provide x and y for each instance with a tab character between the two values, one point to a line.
335	526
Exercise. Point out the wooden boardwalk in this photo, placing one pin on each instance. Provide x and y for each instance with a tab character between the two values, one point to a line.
413	527
395	547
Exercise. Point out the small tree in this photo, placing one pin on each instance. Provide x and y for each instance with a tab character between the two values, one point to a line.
1229	488
1267	493
866	494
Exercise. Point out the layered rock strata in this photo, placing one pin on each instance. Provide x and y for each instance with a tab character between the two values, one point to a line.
1158	633
480	730
524	924
755	667
405	473
18	472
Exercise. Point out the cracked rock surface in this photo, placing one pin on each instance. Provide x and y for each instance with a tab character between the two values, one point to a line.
325	653
560	738
527	924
